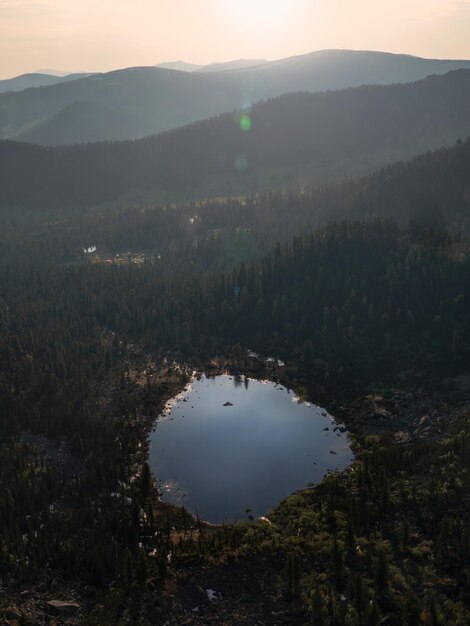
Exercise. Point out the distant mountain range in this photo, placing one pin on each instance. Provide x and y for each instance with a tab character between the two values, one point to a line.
137	102
59	72
37	79
180	66
238	64
296	137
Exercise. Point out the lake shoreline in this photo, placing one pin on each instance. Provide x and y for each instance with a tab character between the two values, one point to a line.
387	411
175	377
400	416
238	462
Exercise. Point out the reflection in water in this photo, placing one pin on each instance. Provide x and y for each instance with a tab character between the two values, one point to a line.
229	445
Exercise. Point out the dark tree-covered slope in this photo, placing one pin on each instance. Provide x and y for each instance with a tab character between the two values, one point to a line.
431	191
317	135
353	303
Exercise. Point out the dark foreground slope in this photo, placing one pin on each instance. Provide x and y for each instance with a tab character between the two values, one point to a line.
148	100
297	136
82	347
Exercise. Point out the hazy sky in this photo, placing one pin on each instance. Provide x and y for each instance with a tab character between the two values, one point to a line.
99	35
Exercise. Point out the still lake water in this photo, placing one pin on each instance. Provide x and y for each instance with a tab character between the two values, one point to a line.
228	462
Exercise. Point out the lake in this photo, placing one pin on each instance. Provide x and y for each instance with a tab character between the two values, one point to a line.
229	448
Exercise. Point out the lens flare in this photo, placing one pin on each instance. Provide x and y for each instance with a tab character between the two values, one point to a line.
241	163
245	122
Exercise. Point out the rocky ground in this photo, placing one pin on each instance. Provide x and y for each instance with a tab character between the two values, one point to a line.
52	603
408	413
230	594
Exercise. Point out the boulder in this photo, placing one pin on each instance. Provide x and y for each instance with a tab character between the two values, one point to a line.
59	607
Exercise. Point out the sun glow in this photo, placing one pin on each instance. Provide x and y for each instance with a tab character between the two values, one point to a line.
260	11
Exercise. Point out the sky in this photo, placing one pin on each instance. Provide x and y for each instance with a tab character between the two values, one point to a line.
101	35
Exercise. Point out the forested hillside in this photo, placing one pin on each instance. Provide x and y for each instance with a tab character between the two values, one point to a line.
148	100
351	304
297	136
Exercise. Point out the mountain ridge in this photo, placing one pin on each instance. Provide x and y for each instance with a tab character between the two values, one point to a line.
36	80
153	100
288	139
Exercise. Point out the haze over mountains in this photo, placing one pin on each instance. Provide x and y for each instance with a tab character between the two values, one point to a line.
137	102
298	136
238	64
180	66
36	79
